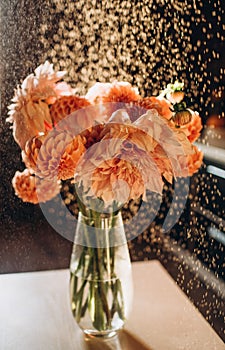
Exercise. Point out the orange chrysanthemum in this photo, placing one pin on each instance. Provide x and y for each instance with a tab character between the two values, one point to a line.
33	189
162	106
112	96
121	92
112	92
66	105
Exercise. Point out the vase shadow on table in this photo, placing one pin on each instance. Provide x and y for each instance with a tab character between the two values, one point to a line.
123	341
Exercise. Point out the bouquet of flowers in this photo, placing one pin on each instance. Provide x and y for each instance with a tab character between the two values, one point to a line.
115	145
158	131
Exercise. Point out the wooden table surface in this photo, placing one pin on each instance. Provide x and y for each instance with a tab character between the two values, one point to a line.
35	315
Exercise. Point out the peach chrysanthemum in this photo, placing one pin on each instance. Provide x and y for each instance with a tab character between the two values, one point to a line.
31	150
30	109
163	163
120	167
194	161
118	171
118	180
130	133
92	135
171	139
33	189
193	128
70	158
190	163
143	160
162	105
65	105
151	134
59	154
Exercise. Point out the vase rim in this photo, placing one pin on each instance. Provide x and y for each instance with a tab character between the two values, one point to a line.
102	215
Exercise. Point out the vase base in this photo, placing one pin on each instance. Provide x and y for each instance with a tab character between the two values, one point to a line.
99	335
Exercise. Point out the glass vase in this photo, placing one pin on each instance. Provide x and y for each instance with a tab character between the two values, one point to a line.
101	287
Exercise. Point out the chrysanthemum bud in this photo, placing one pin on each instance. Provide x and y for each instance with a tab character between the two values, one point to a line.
182	117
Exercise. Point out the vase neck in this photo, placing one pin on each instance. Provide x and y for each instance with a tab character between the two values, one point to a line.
102	220
99	230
